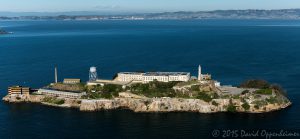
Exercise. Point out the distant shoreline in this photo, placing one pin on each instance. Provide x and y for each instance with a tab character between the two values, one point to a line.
281	14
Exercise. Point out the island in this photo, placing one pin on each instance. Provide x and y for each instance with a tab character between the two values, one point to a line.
155	92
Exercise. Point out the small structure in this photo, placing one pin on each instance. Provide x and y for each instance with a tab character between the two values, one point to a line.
18	90
217	84
206	77
71	81
201	76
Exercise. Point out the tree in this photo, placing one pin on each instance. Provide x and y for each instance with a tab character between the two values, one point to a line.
261	84
279	89
246	106
231	108
214	103
204	96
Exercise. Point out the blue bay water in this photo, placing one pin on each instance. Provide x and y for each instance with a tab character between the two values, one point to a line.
231	50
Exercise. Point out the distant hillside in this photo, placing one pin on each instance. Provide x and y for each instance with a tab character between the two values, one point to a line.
218	14
3	32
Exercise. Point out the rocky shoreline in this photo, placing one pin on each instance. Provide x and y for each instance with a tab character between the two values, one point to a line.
143	104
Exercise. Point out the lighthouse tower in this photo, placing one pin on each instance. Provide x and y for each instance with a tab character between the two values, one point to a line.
55	74
199	73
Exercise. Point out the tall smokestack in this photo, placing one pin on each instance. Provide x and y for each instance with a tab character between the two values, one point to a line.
55	75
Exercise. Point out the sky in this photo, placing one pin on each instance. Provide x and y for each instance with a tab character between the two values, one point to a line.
141	5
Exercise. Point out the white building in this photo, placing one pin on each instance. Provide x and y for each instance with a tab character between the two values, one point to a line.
152	76
130	76
57	93
71	81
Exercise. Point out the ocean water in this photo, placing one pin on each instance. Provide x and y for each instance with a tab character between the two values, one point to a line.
231	50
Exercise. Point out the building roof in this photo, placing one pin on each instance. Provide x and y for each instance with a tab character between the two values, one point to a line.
156	73
18	87
133	73
166	73
71	79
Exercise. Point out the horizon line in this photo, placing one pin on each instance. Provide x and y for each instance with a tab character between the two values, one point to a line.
129	11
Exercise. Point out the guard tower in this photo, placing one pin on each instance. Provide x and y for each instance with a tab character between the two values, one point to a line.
93	74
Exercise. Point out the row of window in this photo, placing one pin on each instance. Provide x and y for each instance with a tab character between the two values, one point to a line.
151	78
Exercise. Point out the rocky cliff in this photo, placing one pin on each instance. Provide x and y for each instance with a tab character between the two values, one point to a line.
144	104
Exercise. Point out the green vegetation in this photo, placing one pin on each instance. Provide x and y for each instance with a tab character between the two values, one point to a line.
187	83
225	96
279	99
245	92
156	89
279	90
107	91
272	100
54	100
236	96
204	96
111	88
214	103
195	88
260	103
261	84
266	88
246	106
264	91
80	87
231	108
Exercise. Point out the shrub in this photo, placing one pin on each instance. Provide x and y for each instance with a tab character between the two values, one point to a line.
260	103
115	94
54	100
264	92
256	106
236	96
261	84
246	106
279	89
110	88
272	100
155	89
204	96
231	108
215	96
195	88
106	95
59	101
214	103
245	92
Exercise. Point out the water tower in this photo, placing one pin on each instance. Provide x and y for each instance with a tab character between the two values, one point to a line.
93	74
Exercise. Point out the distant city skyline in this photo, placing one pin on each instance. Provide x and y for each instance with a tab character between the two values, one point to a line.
140	6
